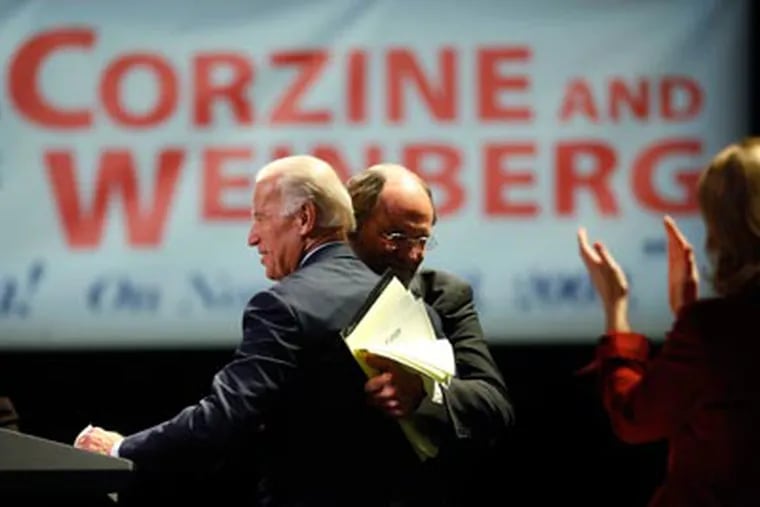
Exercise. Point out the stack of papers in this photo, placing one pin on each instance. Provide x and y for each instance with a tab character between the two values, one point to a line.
431	359
395	325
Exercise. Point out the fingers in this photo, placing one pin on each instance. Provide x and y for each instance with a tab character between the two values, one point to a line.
82	434
582	238
605	256
382	393
96	439
587	253
611	266
674	233
680	246
375	385
88	442
378	362
382	387
691	265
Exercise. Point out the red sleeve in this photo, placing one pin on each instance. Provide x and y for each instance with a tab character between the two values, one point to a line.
647	399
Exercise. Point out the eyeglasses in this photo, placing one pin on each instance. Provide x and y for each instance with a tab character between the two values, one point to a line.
398	240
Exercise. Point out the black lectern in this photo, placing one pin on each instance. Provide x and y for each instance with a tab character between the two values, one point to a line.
32	468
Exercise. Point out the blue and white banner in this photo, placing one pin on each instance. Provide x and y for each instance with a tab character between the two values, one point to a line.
130	133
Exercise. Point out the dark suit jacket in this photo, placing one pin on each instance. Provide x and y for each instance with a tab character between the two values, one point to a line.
289	411
477	408
477	412
701	393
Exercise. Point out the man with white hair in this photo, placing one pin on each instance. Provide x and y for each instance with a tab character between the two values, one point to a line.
289	410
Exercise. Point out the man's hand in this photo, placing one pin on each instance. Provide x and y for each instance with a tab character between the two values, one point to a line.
608	279
683	278
97	440
395	390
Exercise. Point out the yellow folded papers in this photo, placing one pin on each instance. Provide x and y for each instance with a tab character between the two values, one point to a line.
394	324
432	359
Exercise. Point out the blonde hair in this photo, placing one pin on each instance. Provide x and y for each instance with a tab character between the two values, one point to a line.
729	198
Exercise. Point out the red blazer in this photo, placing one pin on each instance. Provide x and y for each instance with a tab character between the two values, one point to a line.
701	393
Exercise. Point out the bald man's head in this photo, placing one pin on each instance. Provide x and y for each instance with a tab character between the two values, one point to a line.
394	212
366	186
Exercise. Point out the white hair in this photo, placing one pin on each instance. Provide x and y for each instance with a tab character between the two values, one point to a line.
303	178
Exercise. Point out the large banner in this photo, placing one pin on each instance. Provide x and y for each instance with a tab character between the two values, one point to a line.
130	134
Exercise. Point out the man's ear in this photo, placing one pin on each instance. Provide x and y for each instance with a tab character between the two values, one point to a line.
307	218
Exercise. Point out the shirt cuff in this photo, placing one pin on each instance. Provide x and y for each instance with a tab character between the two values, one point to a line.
115	448
434	390
618	345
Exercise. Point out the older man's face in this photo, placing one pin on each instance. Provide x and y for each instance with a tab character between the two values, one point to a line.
394	234
276	236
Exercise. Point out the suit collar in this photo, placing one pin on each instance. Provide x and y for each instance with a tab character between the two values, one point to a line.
415	286
326	251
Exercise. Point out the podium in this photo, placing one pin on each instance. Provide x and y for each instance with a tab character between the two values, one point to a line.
33	467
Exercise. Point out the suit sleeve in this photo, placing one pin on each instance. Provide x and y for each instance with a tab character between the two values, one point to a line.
476	405
241	393
645	399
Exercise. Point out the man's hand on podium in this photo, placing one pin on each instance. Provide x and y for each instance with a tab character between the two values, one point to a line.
96	439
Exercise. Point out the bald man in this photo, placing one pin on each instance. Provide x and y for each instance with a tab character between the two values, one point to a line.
395	216
290	408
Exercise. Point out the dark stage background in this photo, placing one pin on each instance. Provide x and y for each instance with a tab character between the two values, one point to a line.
561	449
